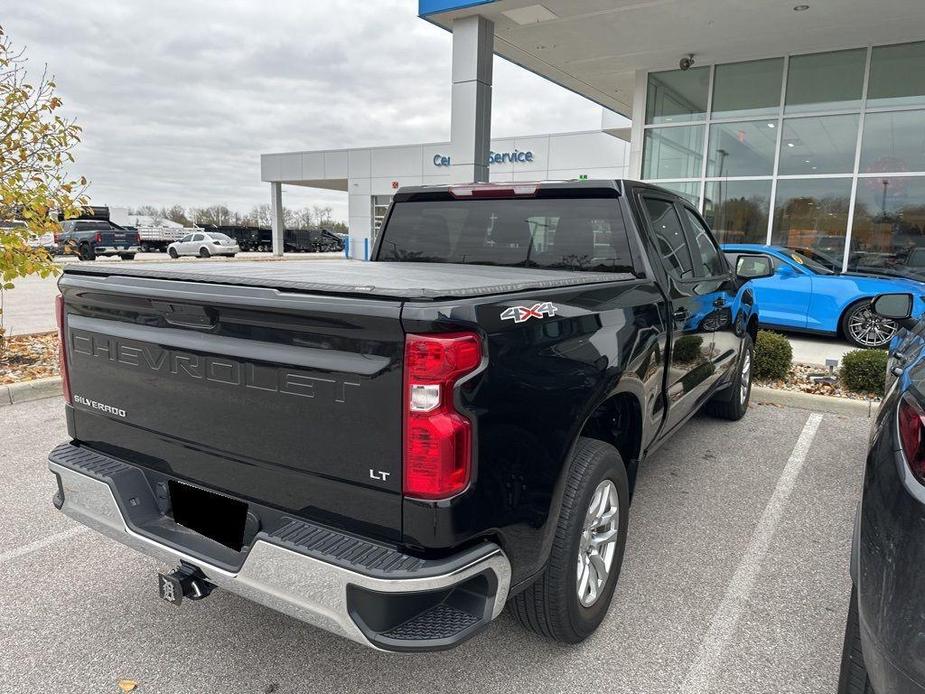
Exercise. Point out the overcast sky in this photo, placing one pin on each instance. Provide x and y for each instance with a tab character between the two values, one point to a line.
178	98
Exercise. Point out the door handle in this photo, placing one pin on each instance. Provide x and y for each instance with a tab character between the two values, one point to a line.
719	303
899	357
681	314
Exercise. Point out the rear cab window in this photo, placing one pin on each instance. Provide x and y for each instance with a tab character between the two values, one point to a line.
578	234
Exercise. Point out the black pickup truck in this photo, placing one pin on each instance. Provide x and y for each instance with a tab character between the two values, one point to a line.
395	450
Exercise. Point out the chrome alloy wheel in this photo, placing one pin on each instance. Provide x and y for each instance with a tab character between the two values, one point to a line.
598	542
745	381
869	329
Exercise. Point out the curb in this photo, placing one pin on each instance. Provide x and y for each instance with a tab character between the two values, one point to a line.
817	403
39	389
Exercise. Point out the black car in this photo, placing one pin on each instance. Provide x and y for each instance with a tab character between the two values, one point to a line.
884	649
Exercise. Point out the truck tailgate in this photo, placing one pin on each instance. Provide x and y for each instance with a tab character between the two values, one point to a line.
288	400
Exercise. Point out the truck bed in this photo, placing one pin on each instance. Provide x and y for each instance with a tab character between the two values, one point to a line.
350	277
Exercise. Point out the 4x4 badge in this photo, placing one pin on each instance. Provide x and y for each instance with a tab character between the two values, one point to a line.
519	314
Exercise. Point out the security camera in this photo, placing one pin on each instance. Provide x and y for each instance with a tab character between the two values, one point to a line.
686	62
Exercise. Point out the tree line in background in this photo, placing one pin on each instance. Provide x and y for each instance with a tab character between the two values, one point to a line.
259	216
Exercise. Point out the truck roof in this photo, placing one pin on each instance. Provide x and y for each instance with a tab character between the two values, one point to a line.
387	280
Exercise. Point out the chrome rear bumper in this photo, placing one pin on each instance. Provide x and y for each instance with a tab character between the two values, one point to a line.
306	587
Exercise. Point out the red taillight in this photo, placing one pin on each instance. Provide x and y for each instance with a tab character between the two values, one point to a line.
912	434
99	237
438	439
62	349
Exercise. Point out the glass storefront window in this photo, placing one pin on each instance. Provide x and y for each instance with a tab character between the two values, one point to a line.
673	152
897	75
742	149
677	96
811	216
825	81
888	235
690	190
894	142
747	89
737	211
819	145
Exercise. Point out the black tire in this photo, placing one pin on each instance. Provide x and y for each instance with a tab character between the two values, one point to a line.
730	404
859	307
145	247
853	676
204	253
232	255
86	252
127	256
172	252
551	606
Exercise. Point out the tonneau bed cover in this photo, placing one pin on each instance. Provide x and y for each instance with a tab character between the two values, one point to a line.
381	279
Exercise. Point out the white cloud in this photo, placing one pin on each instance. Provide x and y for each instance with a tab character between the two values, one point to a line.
178	99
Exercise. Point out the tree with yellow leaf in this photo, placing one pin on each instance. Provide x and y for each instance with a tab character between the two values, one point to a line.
36	150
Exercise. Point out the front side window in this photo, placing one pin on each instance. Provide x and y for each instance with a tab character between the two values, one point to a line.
712	264
669	236
584	234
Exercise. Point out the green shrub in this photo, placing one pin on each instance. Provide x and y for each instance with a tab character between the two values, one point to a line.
864	371
773	355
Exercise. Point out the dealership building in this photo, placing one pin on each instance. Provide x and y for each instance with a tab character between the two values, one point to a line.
800	124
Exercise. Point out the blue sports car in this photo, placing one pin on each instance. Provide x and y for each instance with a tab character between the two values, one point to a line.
807	294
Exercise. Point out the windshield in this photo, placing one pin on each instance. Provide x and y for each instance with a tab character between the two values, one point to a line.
820	263
584	234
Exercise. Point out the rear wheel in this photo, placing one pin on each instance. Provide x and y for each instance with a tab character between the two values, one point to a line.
864	328
172	252
732	403
85	252
204	253
853	676
570	598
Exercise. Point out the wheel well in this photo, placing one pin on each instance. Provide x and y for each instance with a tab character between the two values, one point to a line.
840	328
618	421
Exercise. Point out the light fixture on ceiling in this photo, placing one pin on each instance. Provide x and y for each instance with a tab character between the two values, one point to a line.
772	125
790	144
800	8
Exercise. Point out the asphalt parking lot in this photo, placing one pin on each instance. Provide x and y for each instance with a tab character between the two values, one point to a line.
735	580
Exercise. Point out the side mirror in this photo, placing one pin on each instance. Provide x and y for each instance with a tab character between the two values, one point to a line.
897	307
753	267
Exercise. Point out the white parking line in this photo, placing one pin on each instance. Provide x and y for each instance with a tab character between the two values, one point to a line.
723	625
39	544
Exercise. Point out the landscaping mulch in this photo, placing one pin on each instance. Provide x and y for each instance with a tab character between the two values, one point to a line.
799	380
27	357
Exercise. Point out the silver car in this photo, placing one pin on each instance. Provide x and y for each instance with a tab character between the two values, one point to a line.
205	244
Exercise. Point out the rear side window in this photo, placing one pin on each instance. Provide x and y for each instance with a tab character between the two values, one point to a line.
585	234
669	236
